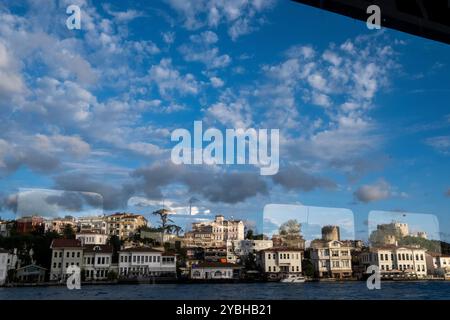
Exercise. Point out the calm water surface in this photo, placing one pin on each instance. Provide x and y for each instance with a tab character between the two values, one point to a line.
311	290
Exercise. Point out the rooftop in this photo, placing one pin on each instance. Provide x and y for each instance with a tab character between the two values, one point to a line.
98	248
66	243
216	265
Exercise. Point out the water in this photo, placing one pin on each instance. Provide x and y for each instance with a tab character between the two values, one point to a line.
277	291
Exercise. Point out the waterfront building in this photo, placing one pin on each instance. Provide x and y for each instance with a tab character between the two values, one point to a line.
142	262
97	261
91	237
29	224
59	224
65	252
3	266
124	225
331	258
393	260
215	271
437	263
96	224
31	274
239	250
216	232
279	262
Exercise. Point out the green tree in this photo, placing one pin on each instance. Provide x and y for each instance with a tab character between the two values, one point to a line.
249	234
112	275
163	215
307	268
290	228
115	243
68	232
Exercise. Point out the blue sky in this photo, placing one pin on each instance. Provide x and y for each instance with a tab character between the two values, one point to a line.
363	115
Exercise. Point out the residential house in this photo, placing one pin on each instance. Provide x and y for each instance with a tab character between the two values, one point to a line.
437	263
331	258
97	261
96	224
59	224
142	262
65	253
3	266
279	262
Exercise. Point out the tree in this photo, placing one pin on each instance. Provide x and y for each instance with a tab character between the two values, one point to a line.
173	228
68	232
308	268
290	228
114	241
112	275
164	217
249	234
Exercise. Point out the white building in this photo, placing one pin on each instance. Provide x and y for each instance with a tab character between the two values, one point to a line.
278	262
91	238
65	252
97	260
3	266
437	264
216	232
393	260
215	271
144	262
93	224
238	250
331	259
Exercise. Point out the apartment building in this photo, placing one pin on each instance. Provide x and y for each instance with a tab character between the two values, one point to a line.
124	225
97	260
239	250
278	262
91	238
393	260
331	259
96	224
142	262
65	253
29	224
59	224
216	232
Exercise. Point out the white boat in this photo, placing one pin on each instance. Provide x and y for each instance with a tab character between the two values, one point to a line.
292	278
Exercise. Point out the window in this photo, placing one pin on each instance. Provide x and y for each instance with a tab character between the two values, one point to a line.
56	254
270	269
121	258
268	256
78	254
386	257
68	255
73	254
381	257
54	265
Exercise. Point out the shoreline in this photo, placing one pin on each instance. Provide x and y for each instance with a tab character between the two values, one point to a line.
193	282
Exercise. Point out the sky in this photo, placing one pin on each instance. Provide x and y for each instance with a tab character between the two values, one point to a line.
363	114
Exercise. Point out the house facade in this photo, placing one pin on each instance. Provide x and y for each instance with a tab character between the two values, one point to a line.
394	261
65	253
124	225
144	262
331	259
278	262
91	238
97	261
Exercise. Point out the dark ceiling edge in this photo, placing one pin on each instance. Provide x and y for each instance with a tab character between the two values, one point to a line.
416	26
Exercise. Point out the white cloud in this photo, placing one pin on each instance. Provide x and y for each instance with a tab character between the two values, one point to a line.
169	80
216	82
241	16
